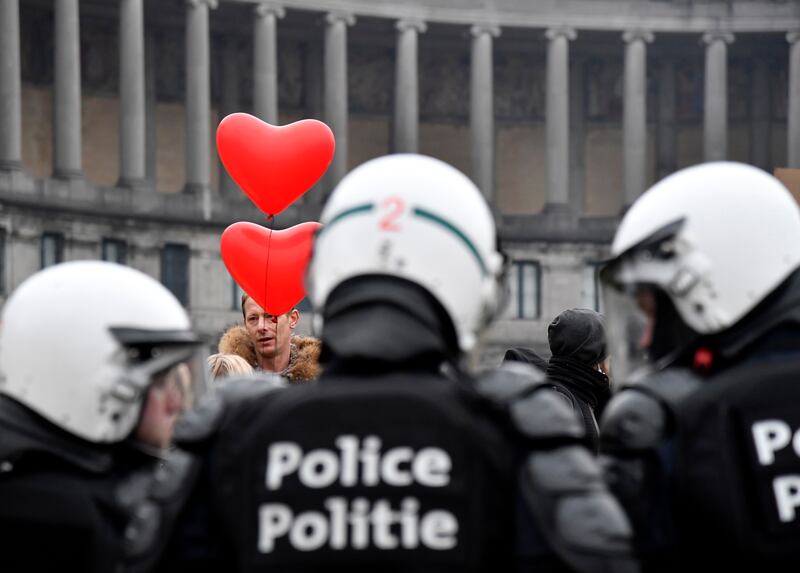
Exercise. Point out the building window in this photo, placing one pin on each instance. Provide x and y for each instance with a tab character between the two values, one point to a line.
115	251
236	302
590	289
175	270
525	296
52	251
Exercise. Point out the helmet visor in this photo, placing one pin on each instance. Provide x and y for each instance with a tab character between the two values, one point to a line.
174	358
629	320
188	377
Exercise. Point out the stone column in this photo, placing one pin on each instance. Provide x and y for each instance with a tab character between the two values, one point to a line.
10	89
793	149
634	119
67	91
313	100
481	110
229	103
151	108
132	121
715	108
265	61
577	136
557	120
198	101
760	140
335	104
666	142
406	86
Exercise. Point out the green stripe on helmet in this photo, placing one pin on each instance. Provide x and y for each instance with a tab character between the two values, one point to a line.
456	231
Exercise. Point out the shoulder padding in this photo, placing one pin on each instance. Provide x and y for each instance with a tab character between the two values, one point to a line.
669	386
202	421
639	416
535	408
509	382
546	414
633	420
153	500
564	470
582	521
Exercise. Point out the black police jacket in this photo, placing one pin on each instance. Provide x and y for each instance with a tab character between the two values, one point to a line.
397	472
59	496
708	469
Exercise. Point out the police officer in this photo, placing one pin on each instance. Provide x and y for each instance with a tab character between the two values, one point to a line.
703	309
94	370
397	460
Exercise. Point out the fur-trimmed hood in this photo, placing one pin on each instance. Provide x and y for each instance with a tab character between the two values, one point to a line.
303	362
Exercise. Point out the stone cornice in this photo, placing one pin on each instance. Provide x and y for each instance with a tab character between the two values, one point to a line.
410	24
561	32
480	29
337	16
585	15
718	36
211	4
637	35
267	8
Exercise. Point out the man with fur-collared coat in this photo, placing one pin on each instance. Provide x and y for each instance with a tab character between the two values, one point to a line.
267	343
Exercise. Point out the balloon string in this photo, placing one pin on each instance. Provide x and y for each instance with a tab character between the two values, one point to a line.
266	282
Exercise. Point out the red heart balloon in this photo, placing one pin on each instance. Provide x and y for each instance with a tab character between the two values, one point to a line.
269	265
274	165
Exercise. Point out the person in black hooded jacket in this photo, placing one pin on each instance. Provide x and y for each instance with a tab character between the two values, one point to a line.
578	368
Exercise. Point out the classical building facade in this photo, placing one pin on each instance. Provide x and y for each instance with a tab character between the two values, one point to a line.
562	113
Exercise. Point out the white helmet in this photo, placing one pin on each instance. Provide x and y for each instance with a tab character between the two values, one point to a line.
716	239
80	342
419	219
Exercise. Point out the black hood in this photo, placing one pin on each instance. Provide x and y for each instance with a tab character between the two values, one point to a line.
578	334
525	355
378	323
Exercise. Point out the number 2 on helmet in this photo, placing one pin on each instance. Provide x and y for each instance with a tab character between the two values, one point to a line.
394	207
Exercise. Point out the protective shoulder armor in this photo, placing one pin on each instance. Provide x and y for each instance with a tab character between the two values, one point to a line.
633	420
535	409
508	382
201	422
671	386
638	417
546	414
153	500
582	521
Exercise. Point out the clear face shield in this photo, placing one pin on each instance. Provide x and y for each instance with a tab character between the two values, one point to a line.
188	377
629	321
645	331
175	361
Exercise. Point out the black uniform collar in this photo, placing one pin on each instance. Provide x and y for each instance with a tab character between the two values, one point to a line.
379	324
27	435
